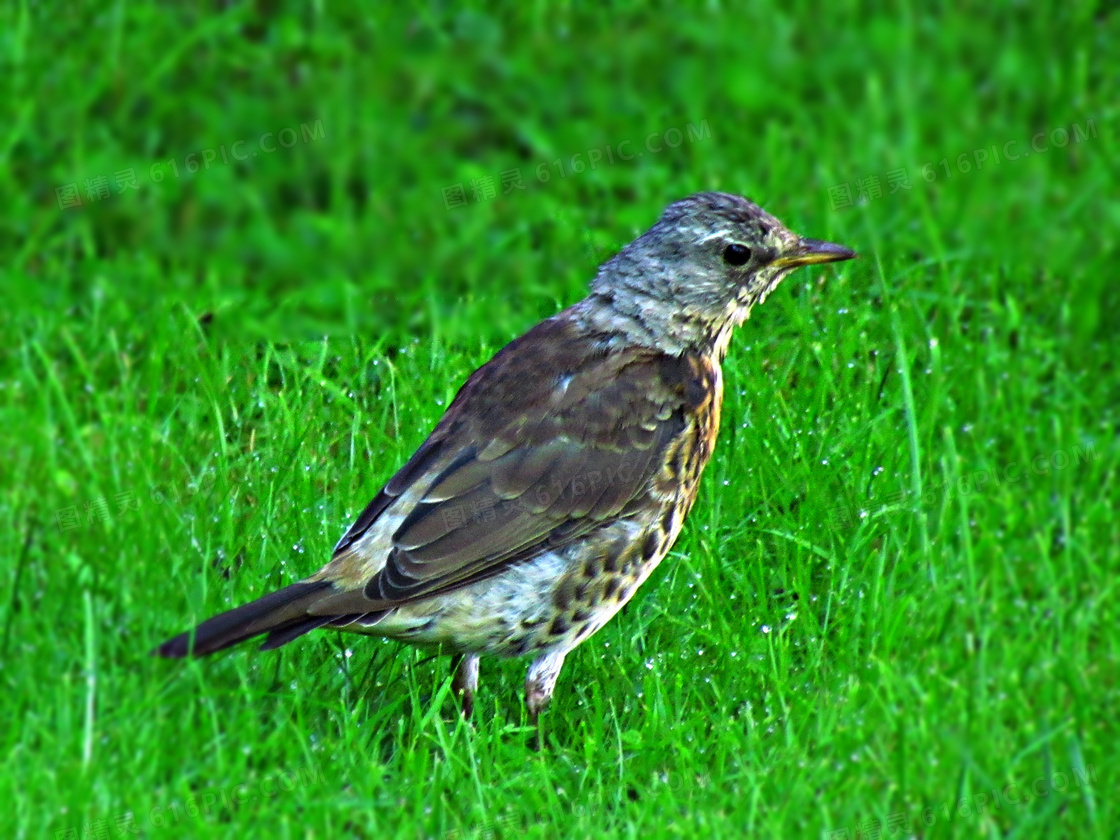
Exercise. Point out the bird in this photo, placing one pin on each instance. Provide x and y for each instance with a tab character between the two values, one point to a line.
561	473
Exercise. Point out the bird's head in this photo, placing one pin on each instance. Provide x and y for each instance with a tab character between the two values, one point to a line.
707	261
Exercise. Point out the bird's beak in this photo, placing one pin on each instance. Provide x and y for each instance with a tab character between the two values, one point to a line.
812	251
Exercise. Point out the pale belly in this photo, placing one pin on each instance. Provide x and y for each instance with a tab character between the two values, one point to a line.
554	601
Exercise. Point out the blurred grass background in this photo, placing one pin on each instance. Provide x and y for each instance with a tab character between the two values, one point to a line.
207	373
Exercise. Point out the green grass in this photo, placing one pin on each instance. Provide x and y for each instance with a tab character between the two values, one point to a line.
854	624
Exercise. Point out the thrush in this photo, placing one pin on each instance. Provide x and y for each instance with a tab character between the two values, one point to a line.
563	470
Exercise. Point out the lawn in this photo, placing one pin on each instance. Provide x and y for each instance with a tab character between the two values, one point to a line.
248	255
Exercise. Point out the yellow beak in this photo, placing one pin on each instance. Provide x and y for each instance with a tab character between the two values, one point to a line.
812	251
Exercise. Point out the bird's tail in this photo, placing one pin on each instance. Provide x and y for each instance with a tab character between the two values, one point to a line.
282	614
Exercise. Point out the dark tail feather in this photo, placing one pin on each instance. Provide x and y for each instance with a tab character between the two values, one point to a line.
284	634
281	614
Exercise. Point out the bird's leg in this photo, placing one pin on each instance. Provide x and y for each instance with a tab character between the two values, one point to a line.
465	682
540	681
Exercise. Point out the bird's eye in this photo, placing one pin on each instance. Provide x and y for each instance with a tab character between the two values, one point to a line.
736	254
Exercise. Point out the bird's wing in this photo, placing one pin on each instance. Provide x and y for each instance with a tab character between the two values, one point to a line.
550	439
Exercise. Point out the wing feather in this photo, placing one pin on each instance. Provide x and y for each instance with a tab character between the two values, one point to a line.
519	464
